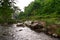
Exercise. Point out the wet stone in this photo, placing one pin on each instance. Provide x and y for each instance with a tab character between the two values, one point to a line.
20	29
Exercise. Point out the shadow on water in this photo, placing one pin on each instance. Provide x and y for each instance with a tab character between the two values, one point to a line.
21	33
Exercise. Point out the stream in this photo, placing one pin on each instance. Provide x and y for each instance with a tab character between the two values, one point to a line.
22	33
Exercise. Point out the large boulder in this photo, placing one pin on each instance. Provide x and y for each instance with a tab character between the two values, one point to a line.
38	25
35	26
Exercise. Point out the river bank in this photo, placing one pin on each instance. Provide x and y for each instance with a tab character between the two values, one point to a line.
42	26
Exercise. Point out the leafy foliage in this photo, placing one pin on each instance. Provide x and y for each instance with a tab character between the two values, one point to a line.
47	10
5	10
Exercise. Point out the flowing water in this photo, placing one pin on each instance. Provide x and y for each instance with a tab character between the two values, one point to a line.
21	33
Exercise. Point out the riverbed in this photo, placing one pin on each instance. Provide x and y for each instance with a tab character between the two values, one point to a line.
22	33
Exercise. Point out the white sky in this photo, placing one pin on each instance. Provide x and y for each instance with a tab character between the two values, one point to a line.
22	3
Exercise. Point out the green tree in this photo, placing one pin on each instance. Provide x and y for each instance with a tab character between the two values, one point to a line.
6	10
42	9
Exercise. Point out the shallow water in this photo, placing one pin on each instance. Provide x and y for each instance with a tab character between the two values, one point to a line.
22	33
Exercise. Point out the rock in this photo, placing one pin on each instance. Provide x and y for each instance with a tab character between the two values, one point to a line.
4	24
20	30
38	30
28	23
54	35
43	29
13	35
20	25
38	25
42	23
35	26
4	34
58	36
49	33
51	30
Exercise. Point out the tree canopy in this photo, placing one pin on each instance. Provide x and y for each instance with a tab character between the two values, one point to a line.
48	10
6	10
